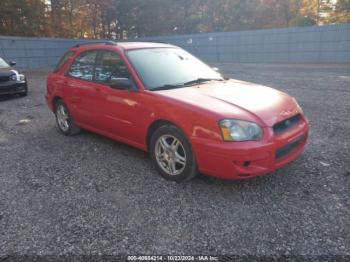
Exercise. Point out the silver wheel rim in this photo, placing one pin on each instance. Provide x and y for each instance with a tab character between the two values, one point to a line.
62	118
170	155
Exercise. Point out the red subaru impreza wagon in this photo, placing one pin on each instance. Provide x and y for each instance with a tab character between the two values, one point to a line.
161	99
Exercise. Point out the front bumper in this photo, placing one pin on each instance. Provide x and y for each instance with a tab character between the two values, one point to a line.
13	88
243	160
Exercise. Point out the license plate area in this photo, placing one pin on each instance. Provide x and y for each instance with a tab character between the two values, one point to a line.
287	149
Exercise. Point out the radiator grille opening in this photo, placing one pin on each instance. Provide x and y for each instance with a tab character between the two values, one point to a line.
286	124
4	78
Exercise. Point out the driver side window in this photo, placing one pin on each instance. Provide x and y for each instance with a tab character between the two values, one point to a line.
110	67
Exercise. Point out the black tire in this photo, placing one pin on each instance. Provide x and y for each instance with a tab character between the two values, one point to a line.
189	169
72	128
24	94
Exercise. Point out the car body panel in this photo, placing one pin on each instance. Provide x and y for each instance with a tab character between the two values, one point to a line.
239	100
260	155
9	86
127	115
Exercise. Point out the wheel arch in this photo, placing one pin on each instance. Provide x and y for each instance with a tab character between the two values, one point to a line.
54	101
157	124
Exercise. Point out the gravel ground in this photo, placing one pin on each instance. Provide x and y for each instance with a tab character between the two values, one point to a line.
88	195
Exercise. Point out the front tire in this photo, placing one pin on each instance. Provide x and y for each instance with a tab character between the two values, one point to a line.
172	154
24	94
65	122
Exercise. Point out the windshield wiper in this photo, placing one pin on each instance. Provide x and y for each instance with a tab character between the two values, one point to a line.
166	87
200	81
192	82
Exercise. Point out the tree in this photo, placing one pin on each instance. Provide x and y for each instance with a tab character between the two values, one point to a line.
118	19
305	21
339	11
26	18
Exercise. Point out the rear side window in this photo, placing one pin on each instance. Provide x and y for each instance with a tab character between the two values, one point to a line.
63	60
83	66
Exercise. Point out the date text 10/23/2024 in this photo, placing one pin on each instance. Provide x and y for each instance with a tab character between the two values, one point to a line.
173	258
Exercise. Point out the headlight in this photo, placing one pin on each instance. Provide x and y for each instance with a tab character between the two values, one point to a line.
239	130
21	77
17	77
13	77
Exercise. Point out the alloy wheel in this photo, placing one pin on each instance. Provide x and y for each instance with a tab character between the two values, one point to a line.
62	118
170	155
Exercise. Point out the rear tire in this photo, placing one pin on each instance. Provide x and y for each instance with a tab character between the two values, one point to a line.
172	154
65	122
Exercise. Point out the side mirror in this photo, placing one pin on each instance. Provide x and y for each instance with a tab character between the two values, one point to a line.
120	83
13	63
215	69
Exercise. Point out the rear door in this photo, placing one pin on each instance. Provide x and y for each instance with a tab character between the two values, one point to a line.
83	94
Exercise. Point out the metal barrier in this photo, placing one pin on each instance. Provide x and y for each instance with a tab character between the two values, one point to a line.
33	52
324	44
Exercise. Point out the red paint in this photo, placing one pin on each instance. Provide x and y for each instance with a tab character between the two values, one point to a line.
127	115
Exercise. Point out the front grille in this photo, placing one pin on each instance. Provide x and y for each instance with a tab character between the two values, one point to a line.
6	90
286	124
285	150
4	78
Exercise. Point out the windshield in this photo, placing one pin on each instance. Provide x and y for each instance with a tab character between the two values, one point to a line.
160	67
3	64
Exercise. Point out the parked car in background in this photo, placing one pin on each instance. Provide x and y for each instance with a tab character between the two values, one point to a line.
11	81
161	99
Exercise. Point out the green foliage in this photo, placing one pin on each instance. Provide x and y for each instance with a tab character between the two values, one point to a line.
305	21
116	19
19	17
338	11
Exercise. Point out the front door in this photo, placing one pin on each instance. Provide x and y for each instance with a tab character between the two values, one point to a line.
121	110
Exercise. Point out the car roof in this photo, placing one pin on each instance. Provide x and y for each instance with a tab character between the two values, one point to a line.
122	45
138	45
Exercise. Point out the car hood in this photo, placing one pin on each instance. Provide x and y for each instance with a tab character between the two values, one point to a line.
238	99
6	71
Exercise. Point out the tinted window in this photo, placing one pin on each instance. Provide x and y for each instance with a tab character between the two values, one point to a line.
3	63
63	60
110	66
168	66
83	66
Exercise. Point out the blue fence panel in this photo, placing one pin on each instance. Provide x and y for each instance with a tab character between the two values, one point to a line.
325	44
32	52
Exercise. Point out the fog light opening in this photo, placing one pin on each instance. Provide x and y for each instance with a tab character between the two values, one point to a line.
243	175
246	163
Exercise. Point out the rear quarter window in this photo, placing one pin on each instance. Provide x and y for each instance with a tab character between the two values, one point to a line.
63	60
